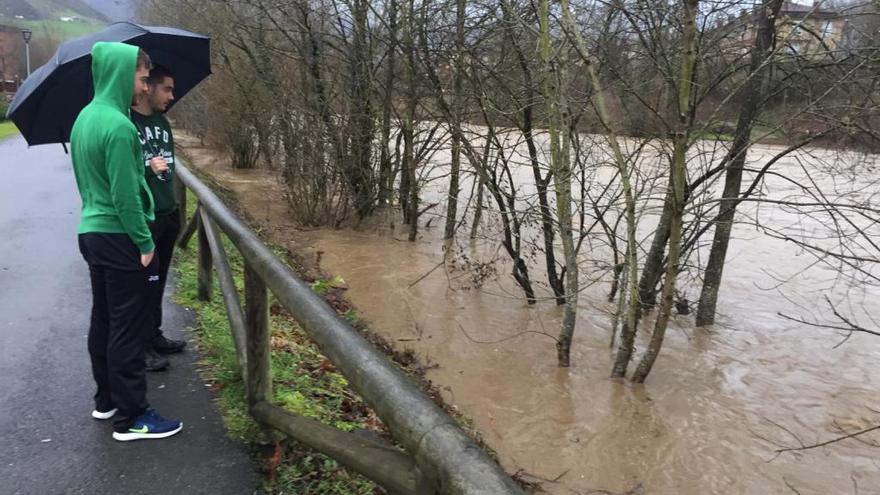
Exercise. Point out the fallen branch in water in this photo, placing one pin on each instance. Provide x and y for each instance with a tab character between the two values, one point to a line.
505	339
423	277
844	324
793	489
833	440
534	481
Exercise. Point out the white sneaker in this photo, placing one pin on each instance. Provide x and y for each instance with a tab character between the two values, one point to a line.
104	415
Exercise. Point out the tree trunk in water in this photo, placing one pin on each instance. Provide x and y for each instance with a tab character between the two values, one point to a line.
315	63
653	269
541	183
481	185
676	187
754	91
360	168
511	228
665	308
615	282
547	228
452	205
478	211
521	275
621	309
385	181
413	200
409	160
566	333
407	177
625	350
560	166
403	193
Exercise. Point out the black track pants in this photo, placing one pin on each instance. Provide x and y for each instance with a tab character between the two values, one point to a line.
165	230
122	290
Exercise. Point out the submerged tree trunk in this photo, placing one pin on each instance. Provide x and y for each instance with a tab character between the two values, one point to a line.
678	177
385	169
653	269
548	229
625	350
511	226
316	63
360	167
409	158
560	166
754	91
452	205
481	186
666	296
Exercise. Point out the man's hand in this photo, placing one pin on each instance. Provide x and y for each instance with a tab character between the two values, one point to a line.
158	165
146	259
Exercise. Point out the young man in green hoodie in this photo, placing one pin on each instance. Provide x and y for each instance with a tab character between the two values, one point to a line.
115	241
158	158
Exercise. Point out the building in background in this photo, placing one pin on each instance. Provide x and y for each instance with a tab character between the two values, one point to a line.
802	30
810	30
11	53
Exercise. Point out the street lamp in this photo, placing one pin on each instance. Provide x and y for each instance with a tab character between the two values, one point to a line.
26	34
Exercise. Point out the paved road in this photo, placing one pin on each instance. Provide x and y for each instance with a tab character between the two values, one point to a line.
48	442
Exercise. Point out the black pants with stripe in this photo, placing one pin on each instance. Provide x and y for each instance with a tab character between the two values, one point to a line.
165	230
122	290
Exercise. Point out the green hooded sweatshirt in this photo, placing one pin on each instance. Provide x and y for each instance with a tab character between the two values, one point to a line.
106	152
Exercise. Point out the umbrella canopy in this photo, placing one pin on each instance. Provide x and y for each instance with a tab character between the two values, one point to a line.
47	103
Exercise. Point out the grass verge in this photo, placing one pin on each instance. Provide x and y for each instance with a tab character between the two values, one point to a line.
7	129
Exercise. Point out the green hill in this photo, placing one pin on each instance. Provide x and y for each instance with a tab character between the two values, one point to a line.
43	10
57	20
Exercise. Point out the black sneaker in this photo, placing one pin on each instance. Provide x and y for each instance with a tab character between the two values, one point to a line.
164	345
155	362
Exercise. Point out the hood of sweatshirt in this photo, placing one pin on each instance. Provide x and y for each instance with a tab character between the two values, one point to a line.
113	68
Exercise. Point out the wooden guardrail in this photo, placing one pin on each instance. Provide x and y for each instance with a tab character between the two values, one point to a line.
437	456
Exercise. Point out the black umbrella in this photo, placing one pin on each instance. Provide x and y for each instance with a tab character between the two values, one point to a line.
47	103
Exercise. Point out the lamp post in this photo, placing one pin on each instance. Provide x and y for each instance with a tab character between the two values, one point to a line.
26	34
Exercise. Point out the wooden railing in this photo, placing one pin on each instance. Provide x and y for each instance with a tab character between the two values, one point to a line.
437	456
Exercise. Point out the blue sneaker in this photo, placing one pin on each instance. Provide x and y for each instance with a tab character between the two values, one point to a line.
149	425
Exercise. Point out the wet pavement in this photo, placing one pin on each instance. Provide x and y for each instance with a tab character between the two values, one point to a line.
48	442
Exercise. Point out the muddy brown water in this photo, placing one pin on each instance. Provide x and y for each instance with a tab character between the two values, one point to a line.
718	404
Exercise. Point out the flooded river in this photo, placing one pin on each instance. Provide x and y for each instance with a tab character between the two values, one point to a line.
718	404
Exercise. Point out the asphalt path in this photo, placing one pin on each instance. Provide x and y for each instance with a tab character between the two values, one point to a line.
48	442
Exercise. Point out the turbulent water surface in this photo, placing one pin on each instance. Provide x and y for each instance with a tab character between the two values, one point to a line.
712	414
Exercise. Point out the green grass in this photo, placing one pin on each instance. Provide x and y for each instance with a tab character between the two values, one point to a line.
303	382
7	129
56	31
715	136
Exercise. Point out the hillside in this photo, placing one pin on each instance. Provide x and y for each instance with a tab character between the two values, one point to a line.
46	10
114	10
51	21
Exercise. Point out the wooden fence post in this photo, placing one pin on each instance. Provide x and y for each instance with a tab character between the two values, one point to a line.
228	291
180	195
205	265
256	304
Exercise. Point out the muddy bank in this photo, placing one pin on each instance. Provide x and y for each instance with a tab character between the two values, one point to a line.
708	420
